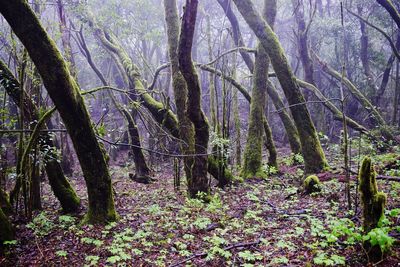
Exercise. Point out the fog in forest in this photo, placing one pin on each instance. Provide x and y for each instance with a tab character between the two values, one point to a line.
199	133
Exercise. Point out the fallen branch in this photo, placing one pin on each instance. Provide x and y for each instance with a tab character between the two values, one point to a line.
380	177
227	248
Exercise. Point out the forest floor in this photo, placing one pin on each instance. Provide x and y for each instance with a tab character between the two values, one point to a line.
255	223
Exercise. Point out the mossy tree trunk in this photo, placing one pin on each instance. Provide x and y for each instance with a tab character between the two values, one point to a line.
186	128
199	180
62	189
65	94
5	202
253	151
6	229
290	128
142	171
142	174
313	154
161	114
373	203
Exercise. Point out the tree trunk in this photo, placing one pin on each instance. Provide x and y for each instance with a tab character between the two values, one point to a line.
390	8
67	160
290	128
6	229
199	181
161	114
313	154
253	152
375	115
65	94
62	189
142	174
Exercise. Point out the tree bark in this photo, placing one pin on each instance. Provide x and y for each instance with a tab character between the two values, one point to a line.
236	33
290	128
142	174
161	114
65	94
199	180
6	229
376	116
253	152
391	9
313	154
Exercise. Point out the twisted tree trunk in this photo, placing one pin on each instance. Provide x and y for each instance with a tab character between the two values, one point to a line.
199	181
161	114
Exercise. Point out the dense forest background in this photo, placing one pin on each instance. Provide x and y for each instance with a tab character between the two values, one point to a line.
204	133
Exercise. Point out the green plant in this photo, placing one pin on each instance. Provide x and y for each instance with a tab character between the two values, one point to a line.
41	225
249	256
66	221
326	260
216	249
92	260
10	243
280	261
62	254
201	223
88	240
298	159
380	236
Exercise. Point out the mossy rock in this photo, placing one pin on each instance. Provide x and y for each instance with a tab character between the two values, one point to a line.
312	184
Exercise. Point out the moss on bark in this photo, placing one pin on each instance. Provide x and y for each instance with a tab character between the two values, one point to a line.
313	154
311	184
65	94
290	128
199	180
5	202
373	203
253	151
6	229
258	124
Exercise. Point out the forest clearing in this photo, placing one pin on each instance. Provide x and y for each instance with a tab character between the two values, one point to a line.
199	133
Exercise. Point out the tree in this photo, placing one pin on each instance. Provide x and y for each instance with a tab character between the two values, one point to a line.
62	189
142	171
290	128
6	230
65	94
253	152
162	114
199	180
313	154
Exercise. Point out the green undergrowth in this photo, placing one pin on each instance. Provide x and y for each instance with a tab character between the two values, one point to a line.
260	222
